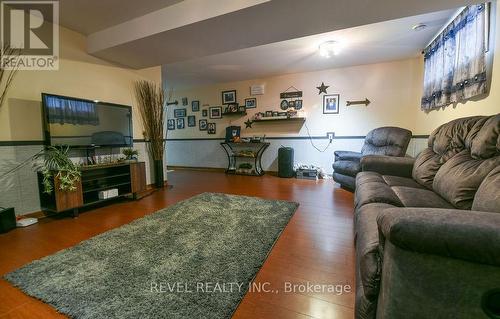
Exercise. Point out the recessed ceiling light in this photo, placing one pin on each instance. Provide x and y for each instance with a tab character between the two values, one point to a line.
329	48
419	27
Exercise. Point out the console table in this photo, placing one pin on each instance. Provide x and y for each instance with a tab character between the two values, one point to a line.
245	158
128	178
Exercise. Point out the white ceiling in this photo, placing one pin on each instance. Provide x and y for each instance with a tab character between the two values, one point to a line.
196	28
373	43
89	16
205	41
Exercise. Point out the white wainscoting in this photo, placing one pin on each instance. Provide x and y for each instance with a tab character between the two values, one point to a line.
209	152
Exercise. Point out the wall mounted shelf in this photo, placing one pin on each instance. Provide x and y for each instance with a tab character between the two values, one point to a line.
234	113
279	118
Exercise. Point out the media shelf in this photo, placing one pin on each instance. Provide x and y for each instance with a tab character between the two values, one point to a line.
245	158
128	178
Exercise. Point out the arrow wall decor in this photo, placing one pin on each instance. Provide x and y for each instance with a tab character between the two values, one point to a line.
365	102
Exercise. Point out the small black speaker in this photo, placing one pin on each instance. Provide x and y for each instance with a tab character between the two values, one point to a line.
285	162
7	220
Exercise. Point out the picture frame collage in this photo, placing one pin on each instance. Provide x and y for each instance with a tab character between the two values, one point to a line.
181	117
229	105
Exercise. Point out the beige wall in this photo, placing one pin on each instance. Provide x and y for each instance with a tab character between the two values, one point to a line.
390	87
79	75
395	89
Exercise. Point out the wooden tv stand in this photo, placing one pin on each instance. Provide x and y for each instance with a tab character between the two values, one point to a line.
128	178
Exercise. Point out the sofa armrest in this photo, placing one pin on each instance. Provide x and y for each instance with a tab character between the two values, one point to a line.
468	235
347	156
388	165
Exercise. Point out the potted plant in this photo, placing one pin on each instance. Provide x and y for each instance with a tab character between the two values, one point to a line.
7	75
150	103
56	164
131	155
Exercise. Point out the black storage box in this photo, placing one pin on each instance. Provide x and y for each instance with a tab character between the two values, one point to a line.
7	220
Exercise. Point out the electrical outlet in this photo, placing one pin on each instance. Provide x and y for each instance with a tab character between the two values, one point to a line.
330	135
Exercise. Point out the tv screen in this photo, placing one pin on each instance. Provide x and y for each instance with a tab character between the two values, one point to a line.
81	123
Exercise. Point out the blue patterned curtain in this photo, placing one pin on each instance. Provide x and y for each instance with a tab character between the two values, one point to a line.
67	111
455	62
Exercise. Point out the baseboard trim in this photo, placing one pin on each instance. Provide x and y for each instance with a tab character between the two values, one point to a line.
36	142
193	168
209	169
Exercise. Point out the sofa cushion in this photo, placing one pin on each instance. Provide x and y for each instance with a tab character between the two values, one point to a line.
426	166
368	177
445	142
487	198
367	239
459	178
375	192
349	168
450	138
391	141
401	181
418	197
486	143
347	156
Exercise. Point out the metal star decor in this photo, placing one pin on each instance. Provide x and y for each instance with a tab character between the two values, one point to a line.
322	88
248	124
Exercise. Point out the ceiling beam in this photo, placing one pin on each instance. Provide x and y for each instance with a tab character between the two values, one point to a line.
197	28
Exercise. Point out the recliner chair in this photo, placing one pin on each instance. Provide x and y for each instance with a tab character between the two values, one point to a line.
388	140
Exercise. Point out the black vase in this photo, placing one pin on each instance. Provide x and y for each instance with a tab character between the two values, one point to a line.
158	167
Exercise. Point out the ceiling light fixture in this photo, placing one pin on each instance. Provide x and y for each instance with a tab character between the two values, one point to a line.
329	48
419	27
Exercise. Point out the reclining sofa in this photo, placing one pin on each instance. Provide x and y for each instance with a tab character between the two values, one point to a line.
388	140
427	230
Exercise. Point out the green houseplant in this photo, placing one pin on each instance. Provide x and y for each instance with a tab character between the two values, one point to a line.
150	103
130	154
56	164
7	75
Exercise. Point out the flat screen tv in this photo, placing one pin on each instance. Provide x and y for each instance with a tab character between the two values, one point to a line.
78	122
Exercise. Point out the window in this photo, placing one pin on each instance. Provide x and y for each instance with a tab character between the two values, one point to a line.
455	62
68	111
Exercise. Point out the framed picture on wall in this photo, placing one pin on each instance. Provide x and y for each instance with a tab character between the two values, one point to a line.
203	125
331	103
195	106
171	125
229	97
211	128
251	103
231	108
191	121
298	104
180	123
185	101
179	113
215	112
204	112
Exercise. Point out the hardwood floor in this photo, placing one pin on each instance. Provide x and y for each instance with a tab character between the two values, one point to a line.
316	246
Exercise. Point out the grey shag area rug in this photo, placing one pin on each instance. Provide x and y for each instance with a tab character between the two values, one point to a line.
185	261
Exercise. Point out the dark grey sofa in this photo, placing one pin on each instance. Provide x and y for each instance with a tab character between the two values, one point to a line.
427	231
390	141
